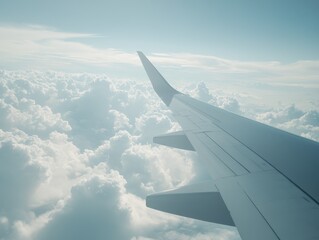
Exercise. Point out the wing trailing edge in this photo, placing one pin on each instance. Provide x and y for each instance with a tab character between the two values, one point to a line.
199	201
175	140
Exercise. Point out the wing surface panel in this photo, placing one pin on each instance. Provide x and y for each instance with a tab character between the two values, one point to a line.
249	221
239	160
300	163
240	152
289	212
236	167
215	167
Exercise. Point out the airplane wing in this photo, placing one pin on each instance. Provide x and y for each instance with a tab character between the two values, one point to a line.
264	181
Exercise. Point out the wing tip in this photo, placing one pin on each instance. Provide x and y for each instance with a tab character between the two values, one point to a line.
140	53
163	89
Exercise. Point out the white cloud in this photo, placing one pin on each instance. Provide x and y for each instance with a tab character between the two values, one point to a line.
94	210
32	118
293	79
151	169
289	118
200	92
300	73
75	146
41	47
121	121
20	176
292	119
83	142
219	99
151	124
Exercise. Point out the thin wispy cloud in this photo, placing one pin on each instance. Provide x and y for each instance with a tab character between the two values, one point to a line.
298	73
44	48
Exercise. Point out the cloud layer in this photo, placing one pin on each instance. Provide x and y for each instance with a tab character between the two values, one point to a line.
41	48
77	160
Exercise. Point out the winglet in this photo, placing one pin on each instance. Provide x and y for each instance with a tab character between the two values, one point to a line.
160	85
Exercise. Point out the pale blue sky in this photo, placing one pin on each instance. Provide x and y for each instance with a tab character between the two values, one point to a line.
83	130
285	30
234	44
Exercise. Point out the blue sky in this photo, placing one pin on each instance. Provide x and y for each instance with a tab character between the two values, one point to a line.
242	30
78	114
225	43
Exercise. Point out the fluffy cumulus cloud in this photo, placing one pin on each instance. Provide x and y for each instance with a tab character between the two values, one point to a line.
20	176
216	98
77	159
95	210
293	119
303	122
76	152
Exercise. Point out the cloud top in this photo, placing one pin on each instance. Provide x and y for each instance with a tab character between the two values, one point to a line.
77	160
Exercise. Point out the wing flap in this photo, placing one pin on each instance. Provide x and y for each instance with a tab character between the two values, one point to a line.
200	201
175	140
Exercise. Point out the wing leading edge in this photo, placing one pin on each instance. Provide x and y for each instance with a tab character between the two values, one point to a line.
264	181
